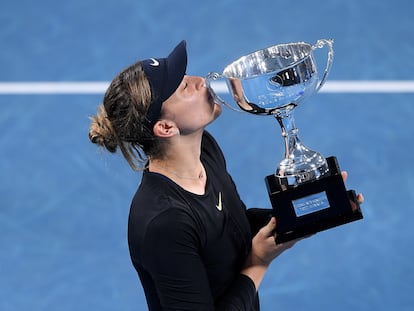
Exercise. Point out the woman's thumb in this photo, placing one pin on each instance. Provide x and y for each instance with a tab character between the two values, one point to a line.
269	229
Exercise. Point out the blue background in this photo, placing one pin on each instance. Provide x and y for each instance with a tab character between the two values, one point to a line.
64	203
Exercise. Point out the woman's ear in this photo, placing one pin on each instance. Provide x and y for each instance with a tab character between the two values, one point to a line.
165	128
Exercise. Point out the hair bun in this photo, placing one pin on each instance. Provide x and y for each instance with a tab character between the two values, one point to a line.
101	132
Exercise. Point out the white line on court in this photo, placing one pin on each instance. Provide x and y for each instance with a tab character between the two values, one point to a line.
99	87
369	86
27	88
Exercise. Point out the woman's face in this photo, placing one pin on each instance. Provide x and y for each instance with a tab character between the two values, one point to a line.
191	106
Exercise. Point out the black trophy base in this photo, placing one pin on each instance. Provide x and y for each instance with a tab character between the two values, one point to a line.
312	207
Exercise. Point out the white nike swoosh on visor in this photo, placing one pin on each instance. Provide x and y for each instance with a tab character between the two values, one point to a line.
154	63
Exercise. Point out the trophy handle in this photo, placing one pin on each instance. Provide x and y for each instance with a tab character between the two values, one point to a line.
318	45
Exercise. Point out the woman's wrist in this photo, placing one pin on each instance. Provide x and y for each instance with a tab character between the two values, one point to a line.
255	269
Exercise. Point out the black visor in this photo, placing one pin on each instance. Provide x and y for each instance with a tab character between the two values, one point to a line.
164	75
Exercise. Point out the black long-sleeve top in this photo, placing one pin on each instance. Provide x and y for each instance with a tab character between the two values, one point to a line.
189	249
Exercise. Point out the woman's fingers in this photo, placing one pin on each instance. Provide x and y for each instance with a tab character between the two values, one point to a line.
344	175
269	229
360	198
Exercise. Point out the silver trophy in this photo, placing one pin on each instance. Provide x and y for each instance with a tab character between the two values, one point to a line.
306	191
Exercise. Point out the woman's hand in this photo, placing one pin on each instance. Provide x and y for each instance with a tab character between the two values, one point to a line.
264	250
264	247
359	197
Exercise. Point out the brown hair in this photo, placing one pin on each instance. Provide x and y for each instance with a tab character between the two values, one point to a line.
121	122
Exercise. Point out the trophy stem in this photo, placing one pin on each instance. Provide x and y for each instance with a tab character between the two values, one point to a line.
300	163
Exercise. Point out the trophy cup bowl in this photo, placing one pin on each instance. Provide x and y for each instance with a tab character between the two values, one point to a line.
306	191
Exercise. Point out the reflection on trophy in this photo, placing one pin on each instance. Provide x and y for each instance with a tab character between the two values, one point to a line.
307	192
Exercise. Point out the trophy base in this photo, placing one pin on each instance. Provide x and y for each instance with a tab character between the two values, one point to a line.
312	207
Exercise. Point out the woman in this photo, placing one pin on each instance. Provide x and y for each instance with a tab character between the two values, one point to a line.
189	237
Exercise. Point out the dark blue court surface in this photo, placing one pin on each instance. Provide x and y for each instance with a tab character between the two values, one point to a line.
64	203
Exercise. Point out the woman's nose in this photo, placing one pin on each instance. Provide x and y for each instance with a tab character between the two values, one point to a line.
201	82
198	82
